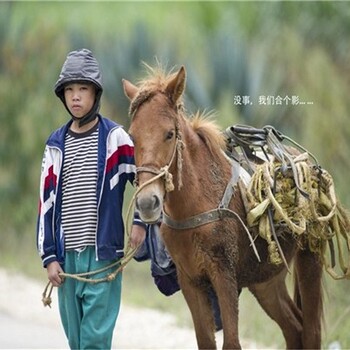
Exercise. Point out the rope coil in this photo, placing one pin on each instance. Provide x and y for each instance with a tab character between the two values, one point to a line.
289	188
317	219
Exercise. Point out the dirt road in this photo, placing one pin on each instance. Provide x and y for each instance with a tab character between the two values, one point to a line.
26	324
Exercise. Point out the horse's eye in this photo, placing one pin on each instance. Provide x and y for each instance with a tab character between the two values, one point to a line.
169	135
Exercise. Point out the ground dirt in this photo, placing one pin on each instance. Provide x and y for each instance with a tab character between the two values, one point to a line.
26	324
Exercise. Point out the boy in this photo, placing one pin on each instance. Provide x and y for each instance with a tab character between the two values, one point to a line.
85	169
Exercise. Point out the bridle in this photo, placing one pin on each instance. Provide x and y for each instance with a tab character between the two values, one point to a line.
164	171
219	213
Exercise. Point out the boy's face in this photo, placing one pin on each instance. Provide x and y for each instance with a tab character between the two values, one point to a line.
80	98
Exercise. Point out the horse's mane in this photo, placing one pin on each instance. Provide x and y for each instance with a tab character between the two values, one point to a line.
209	131
156	81
156	78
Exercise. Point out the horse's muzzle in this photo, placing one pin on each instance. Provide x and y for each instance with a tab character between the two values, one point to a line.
149	207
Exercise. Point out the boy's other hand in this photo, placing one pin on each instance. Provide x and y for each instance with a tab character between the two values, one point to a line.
53	271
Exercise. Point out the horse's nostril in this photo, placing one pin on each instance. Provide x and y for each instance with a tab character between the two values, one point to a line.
156	202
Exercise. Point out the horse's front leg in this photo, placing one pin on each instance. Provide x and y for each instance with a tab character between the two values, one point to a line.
227	294
202	315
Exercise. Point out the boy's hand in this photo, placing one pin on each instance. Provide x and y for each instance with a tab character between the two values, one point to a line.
137	236
53	271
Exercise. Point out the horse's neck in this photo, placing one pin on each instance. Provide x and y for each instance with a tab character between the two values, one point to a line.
204	180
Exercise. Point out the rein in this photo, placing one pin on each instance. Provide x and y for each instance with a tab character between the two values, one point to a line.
85	277
130	252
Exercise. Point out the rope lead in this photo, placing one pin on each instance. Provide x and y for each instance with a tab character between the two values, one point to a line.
129	253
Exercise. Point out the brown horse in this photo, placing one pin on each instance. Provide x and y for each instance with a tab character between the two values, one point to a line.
214	255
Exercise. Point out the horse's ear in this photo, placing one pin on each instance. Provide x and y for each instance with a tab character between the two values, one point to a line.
176	86
130	89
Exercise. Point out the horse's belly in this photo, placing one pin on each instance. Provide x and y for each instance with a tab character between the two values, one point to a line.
251	271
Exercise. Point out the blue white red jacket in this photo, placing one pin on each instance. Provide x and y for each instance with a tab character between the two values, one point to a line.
115	168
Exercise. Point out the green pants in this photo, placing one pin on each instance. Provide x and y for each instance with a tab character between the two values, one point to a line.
88	311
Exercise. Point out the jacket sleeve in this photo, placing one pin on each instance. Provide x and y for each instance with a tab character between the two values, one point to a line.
126	156
47	193
137	220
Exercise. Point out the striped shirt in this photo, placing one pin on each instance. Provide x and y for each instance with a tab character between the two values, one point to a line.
79	179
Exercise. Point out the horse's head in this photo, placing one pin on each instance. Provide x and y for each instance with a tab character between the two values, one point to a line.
154	129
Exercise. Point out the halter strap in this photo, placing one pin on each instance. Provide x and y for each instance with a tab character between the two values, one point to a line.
148	169
219	213
164	171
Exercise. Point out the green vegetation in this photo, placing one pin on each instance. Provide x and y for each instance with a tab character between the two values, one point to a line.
230	49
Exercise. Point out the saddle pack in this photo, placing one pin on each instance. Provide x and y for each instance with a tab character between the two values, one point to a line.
289	189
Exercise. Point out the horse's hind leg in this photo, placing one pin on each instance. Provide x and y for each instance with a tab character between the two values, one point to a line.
308	296
274	298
